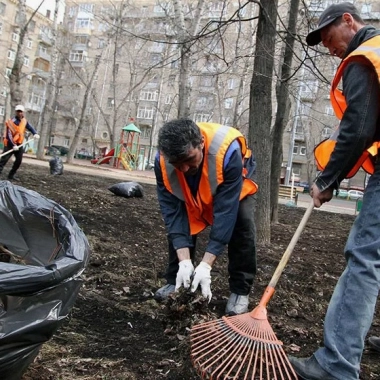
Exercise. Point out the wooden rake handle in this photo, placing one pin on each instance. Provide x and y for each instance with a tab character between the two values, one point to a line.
285	257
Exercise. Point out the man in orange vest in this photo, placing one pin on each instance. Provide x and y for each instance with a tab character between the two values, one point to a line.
13	139
204	177
351	309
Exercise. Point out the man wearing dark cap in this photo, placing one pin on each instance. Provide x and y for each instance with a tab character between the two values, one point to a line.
355	144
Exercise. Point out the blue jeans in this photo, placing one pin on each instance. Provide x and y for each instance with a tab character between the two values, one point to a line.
351	308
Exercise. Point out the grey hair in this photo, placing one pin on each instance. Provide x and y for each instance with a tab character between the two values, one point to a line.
177	137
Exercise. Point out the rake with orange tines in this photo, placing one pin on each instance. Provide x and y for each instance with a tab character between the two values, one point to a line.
245	346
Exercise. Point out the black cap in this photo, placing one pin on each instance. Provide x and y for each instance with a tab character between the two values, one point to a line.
328	16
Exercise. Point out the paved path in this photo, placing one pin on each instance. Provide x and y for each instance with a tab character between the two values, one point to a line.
147	176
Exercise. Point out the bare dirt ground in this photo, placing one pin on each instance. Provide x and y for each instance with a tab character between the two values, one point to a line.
116	329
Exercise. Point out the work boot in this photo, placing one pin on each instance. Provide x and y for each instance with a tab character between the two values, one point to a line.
309	369
237	304
13	178
374	343
163	293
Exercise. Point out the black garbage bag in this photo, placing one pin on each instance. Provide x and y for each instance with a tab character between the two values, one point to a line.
40	280
56	165
127	189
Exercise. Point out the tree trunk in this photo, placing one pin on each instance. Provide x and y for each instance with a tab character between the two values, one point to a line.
260	113
50	95
283	108
86	99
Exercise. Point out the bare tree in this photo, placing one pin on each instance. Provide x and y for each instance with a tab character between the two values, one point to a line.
260	117
51	92
15	88
283	107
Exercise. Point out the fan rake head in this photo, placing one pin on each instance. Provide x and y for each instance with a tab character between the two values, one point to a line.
239	347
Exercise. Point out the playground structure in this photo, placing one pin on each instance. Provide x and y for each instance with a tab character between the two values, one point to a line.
126	152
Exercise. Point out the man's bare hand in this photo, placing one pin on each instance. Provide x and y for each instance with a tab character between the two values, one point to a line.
320	197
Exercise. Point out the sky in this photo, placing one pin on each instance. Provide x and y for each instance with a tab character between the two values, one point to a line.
48	4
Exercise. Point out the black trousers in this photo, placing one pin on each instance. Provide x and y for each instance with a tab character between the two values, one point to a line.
241	251
18	155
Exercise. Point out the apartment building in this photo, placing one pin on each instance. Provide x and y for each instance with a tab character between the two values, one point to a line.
137	79
36	59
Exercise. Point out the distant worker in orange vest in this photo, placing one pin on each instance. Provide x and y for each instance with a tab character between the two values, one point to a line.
13	139
204	177
351	309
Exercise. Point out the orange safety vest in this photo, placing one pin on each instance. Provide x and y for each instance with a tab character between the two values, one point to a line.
18	131
217	139
369	54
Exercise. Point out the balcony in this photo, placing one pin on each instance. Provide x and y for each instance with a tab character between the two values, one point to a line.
42	37
44	55
33	107
41	73
299	136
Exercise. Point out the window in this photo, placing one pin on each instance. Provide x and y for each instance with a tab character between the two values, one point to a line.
36	99
77	56
11	55
155	59
231	84
31	26
101	44
171	80
84	141
83	23
66	141
305	109
110	102
2	110
168	99
326	132
295	149
228	103
2	8
145	113
303	151
201	101
26	60
146	133
4	92
104	135
8	72
1	27
15	37
207	81
308	87
202	117
329	110
29	44
86	7
149	95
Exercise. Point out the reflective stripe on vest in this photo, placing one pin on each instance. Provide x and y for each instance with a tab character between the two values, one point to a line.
367	53
18	131
217	139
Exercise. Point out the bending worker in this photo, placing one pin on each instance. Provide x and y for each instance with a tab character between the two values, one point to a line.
14	137
204	178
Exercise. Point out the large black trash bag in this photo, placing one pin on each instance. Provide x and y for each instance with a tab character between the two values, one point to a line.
56	165
39	284
127	189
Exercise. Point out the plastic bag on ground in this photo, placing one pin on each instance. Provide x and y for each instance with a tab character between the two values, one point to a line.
46	253
56	165
127	189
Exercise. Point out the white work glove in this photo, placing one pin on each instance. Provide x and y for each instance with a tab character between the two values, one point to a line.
185	271
16	148
202	277
36	136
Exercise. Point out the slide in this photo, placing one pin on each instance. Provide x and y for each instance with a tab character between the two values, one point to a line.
104	160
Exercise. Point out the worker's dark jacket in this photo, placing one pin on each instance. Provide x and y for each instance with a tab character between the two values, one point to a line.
360	124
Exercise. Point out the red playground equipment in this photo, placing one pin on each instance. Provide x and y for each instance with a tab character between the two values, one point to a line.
126	152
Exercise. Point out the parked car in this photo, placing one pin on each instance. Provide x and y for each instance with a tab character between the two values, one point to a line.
63	149
305	185
355	194
341	193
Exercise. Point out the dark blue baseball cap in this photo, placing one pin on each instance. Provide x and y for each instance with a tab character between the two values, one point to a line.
328	16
